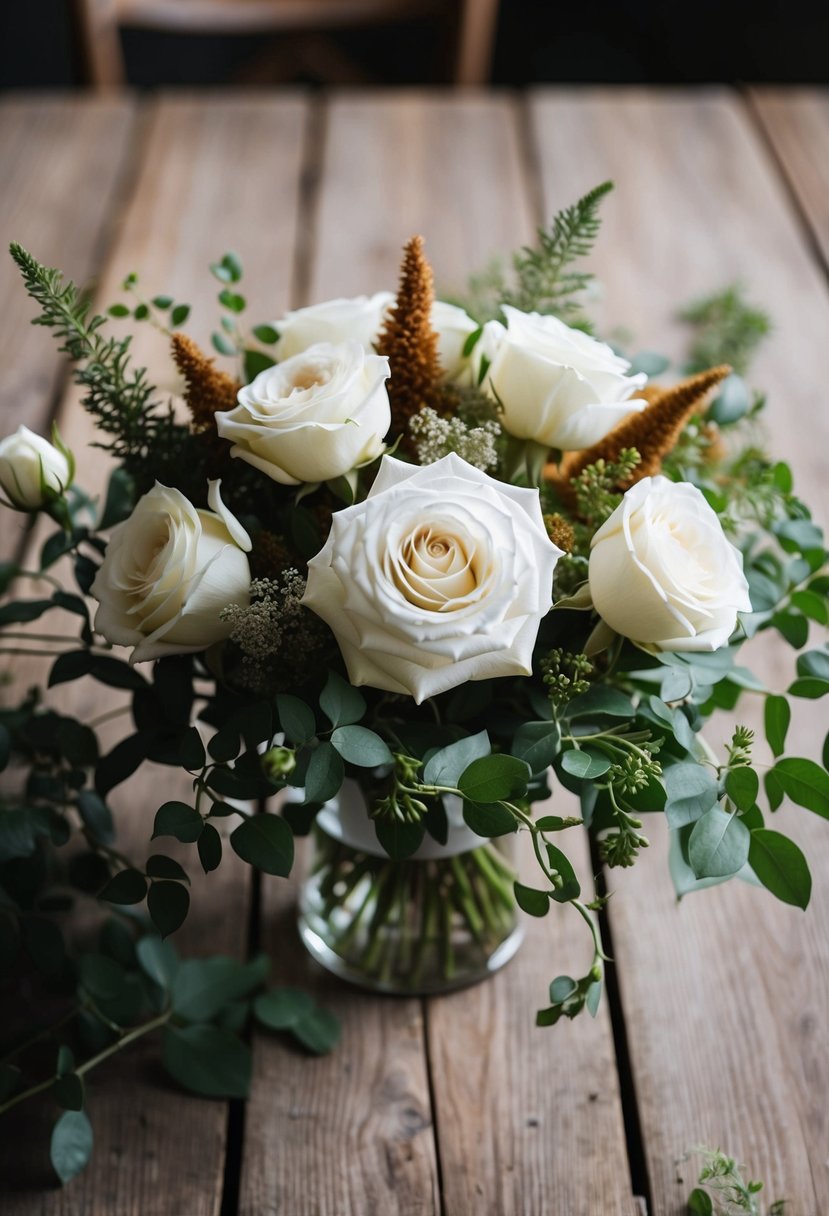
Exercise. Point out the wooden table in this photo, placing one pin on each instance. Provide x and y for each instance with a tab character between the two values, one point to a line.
716	1027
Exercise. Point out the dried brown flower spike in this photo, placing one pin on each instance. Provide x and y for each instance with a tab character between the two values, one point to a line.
410	343
208	388
653	432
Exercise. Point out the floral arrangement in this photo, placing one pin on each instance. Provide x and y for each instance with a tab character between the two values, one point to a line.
414	565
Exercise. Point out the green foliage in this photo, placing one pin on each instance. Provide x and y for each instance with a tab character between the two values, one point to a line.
722	1190
545	281
726	329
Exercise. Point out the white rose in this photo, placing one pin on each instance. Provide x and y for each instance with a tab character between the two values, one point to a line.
558	386
313	417
453	327
168	572
356	320
32	470
662	572
441	576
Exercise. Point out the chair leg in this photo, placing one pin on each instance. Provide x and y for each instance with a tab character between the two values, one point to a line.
96	27
477	26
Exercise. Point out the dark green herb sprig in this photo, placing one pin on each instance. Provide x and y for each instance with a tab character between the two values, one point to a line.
723	1191
726	329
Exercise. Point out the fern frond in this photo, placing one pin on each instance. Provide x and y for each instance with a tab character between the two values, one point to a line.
543	281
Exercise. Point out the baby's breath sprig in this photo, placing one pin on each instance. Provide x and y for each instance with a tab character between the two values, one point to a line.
272	630
436	437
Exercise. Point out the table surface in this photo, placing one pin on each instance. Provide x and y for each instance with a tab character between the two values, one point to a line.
716	1030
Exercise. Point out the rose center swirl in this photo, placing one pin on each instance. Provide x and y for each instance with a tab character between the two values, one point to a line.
435	569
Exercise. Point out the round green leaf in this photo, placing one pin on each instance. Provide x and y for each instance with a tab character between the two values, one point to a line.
780	866
691	791
102	977
340	702
718	846
71	1144
266	334
160	866
179	820
494	779
158	960
361	746
296	718
319	1032
445	766
585	764
325	773
282	1008
489	819
400	840
265	841
168	904
207	1060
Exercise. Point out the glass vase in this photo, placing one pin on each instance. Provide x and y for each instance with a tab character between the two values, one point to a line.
442	919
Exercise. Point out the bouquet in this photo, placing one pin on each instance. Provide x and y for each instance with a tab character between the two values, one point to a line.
413	566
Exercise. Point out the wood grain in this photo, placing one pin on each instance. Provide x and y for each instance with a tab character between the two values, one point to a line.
157	1150
64	168
796	123
724	998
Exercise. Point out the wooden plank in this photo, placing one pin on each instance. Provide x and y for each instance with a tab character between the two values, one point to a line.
454	172
724	999
796	123
158	1150
64	166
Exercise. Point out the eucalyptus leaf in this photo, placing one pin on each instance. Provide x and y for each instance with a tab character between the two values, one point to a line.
71	1144
444	767
342	704
265	841
494	779
718	845
207	1060
361	746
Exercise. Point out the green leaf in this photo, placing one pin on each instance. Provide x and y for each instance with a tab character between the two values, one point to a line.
571	888
325	773
814	663
494	779
812	605
538	744
774	790
742	785
798	535
731	403
361	746
282	1008
692	790
601	700
22	611
531	900
650	362
256	361
141	312
162	302
805	782
222	345
160	866
179	315
266	334
718	845
809	688
296	718
207	1060
121	762
792	626
202	987
318	1033
179	820
700	1203
168	904
192	750
96	815
71	1144
400	840
210	848
781	867
232	301
265	841
68	1091
340	702
777	717
445	766
489	819
102	977
158	960
125	887
119	500
585	764
233	266
118	310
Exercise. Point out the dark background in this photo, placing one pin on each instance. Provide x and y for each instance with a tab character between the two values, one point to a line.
647	41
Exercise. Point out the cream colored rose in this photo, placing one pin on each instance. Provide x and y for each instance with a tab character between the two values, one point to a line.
355	320
662	572
168	572
314	417
32	470
558	386
441	576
